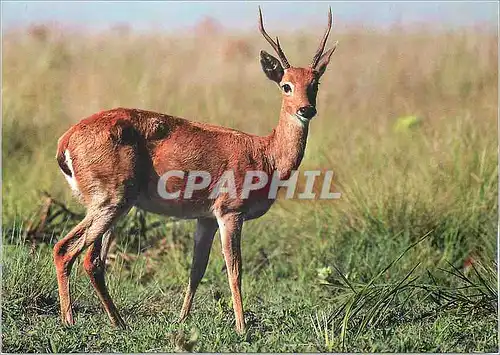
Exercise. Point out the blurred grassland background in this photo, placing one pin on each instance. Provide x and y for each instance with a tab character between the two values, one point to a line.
407	119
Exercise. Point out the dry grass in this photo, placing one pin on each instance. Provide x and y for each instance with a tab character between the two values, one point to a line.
53	78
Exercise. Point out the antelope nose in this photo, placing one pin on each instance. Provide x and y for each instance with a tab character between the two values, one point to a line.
307	112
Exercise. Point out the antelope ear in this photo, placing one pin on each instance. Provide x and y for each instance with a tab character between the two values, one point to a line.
271	67
324	60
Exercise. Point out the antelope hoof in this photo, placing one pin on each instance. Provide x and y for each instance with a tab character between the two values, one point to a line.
68	320
118	322
240	329
183	316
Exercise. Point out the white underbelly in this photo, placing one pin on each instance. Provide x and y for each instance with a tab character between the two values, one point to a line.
258	208
192	209
173	208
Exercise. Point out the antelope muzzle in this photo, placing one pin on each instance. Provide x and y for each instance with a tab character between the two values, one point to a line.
308	112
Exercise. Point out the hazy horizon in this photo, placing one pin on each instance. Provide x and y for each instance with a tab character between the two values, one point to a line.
169	16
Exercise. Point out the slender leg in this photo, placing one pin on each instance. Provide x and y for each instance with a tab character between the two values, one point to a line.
96	222
230	226
203	238
95	264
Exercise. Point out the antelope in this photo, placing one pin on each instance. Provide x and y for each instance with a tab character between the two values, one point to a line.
113	161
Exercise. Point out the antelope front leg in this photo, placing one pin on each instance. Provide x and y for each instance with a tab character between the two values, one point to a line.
230	226
203	238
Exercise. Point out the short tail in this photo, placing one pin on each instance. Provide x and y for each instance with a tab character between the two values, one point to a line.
62	145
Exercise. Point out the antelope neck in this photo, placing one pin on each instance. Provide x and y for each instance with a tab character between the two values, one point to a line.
287	143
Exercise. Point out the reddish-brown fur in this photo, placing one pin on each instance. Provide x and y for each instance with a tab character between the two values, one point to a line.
118	156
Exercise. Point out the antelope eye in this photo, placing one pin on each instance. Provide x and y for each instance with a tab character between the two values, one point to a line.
287	88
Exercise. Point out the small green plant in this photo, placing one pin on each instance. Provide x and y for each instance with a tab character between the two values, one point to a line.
407	123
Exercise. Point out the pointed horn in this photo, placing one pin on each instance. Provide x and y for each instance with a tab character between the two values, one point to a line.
321	47
275	45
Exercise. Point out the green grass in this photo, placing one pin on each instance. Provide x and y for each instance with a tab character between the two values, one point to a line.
383	300
385	268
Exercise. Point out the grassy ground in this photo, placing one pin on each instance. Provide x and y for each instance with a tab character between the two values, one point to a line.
404	261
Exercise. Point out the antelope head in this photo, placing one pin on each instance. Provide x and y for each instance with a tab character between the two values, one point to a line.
299	86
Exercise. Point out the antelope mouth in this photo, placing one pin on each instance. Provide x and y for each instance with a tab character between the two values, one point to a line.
302	118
